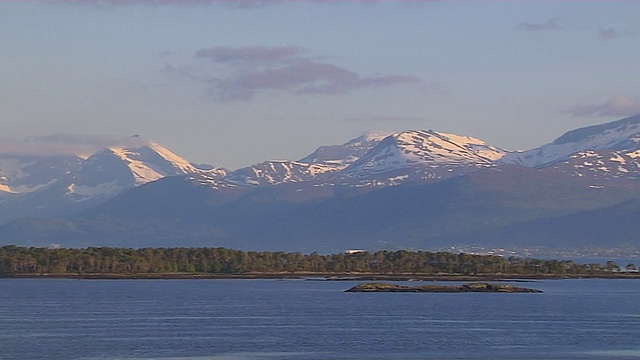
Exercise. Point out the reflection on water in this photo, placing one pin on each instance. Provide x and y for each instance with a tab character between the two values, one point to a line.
631	354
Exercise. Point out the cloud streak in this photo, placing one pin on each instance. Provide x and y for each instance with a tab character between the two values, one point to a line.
250	54
66	144
612	33
551	24
384	119
614	106
239	4
240	74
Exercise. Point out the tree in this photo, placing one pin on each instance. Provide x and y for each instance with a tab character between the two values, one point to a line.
612	266
631	267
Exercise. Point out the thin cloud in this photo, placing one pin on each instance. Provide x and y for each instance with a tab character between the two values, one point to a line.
248	55
229	3
383	119
238	4
614	106
239	74
612	33
66	144
551	24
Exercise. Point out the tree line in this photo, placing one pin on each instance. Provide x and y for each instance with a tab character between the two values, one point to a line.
15	260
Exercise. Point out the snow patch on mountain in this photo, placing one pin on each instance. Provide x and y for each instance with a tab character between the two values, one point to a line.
277	172
601	164
78	193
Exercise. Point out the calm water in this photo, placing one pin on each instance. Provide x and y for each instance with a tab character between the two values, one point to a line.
295	319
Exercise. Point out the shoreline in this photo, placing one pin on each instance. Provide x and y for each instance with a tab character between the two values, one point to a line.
324	276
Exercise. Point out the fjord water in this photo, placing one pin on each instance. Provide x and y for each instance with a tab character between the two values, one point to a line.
297	319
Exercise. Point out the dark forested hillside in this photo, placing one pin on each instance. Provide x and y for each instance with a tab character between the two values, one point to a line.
16	260
495	207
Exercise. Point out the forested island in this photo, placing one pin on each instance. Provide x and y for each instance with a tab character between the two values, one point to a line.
185	262
464	288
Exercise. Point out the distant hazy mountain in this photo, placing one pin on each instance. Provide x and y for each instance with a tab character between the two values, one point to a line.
113	170
21	173
47	186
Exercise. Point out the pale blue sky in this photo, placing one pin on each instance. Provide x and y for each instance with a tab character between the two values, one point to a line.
232	83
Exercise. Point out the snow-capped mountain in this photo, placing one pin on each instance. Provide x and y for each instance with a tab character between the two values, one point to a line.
319	165
58	185
606	151
333	198
622	136
431	153
115	169
21	173
377	160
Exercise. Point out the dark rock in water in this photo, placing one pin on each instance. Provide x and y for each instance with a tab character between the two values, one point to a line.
471	287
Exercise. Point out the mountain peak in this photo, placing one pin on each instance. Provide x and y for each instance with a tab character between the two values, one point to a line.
150	161
424	148
119	167
345	154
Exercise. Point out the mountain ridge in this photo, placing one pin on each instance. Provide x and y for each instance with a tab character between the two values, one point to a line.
620	135
414	189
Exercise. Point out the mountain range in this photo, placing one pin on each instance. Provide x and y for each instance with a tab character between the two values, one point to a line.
415	189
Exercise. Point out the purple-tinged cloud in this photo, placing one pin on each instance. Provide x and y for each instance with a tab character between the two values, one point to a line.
239	74
304	77
614	106
551	24
607	33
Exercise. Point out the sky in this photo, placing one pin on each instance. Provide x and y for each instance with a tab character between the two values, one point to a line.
234	83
